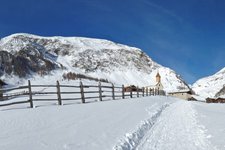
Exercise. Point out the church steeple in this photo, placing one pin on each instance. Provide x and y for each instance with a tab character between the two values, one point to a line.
158	77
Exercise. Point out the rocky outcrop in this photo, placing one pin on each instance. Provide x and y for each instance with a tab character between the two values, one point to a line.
25	62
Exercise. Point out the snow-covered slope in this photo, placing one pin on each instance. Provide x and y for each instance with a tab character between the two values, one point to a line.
211	86
27	55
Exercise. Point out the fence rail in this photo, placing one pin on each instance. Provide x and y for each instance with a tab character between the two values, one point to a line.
32	93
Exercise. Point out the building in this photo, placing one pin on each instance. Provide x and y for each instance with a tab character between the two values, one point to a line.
215	100
131	88
156	89
158	85
183	94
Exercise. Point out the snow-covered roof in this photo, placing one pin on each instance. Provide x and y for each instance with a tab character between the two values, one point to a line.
199	98
151	86
222	96
182	91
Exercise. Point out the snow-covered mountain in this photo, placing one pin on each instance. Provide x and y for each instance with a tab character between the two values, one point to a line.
211	86
25	56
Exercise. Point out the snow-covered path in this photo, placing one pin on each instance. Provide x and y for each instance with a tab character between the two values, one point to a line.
176	128
149	123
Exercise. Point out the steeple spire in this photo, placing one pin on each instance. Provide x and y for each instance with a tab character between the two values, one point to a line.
158	77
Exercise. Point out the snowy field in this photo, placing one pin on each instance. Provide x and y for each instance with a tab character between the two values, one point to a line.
149	123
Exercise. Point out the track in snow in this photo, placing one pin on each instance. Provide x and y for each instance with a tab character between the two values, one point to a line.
173	128
132	140
176	128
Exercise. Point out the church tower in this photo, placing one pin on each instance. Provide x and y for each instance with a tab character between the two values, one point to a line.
158	78
158	85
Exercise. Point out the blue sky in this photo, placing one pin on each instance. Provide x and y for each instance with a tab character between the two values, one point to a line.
185	35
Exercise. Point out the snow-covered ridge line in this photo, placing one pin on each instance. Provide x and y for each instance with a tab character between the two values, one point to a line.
131	140
29	56
211	86
85	41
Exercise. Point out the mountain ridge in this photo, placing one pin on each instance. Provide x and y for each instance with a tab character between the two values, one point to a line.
99	58
211	86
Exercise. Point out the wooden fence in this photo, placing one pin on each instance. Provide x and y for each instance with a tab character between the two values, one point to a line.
29	94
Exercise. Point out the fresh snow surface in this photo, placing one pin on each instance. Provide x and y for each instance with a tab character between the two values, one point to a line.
212	117
152	123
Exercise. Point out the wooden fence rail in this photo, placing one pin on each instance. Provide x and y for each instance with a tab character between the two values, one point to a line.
83	93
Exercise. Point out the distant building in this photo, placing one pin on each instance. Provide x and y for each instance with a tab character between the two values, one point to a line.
156	89
131	88
158	85
215	100
182	94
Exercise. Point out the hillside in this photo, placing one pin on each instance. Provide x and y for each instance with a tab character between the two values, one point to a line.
24	56
211	86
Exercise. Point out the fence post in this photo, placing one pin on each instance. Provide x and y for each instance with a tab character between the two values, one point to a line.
143	91
131	94
100	91
58	93
123	91
137	91
147	92
30	95
1	93
113	92
82	92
